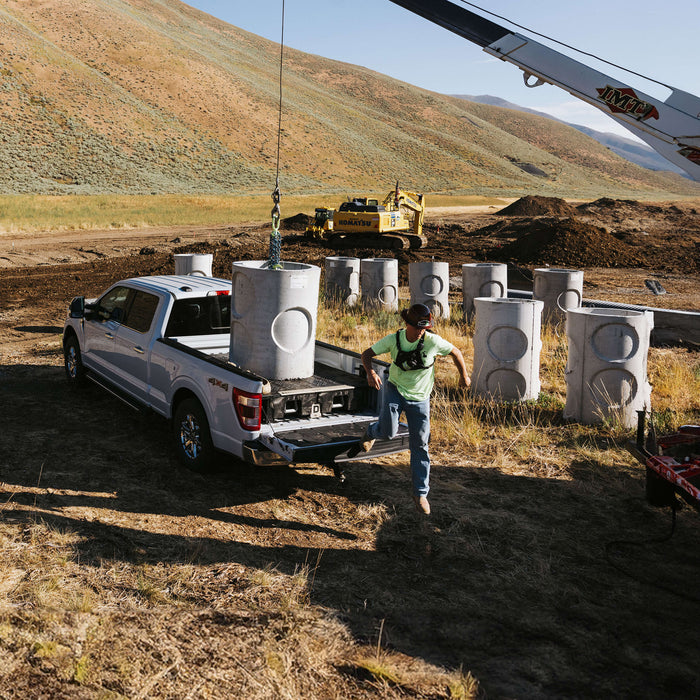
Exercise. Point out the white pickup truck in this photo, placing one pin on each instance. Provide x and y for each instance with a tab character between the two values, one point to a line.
162	344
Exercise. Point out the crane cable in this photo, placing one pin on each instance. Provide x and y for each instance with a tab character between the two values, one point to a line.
568	46
273	262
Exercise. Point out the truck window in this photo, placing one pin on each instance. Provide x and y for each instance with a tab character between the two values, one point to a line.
200	316
111	306
141	311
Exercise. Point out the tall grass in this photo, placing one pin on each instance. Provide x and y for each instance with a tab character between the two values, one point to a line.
29	213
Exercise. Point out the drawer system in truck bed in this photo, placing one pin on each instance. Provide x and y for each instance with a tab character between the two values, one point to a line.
328	391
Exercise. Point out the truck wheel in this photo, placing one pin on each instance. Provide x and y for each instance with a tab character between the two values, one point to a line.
75	370
193	443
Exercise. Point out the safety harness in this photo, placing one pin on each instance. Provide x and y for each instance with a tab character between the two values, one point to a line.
410	359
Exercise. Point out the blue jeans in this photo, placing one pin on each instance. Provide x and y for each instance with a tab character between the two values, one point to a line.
418	419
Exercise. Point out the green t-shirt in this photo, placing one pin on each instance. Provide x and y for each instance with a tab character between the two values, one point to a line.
413	384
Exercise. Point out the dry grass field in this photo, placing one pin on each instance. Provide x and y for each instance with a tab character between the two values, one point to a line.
542	573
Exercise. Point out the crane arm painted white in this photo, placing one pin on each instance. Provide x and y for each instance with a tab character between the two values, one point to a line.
671	128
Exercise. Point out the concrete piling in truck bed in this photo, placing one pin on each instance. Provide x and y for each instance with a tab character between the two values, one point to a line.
273	318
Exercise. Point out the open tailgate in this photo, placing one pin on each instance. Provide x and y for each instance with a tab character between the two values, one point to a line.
326	440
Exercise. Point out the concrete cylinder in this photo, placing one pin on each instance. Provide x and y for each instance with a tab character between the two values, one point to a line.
507	348
606	371
343	280
379	281
429	284
273	318
561	291
198	265
482	280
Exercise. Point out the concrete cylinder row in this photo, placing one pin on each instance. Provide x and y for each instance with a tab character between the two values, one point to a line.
274	312
606	371
378	278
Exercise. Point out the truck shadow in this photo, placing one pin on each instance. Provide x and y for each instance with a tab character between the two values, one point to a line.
508	579
74	444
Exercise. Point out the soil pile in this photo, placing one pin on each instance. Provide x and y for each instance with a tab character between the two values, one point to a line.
570	243
298	222
609	203
534	205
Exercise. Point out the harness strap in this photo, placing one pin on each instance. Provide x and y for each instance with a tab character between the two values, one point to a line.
410	359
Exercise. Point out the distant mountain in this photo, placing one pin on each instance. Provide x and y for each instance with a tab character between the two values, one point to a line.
140	96
632	150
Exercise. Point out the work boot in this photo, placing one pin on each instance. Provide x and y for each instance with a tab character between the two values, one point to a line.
422	505
364	445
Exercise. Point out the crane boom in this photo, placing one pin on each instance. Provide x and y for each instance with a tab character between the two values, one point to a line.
671	127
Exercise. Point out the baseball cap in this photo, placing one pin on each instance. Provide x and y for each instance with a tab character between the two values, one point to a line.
418	315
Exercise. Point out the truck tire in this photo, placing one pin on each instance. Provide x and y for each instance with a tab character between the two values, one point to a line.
193	444
73	362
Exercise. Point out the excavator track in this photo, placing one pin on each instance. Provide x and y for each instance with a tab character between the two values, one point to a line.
381	241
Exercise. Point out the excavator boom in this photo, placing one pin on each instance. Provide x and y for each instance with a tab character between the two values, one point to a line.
671	128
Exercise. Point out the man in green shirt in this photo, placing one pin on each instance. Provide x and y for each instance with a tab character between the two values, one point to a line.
411	378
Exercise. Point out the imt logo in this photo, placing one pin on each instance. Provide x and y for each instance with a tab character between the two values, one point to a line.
625	101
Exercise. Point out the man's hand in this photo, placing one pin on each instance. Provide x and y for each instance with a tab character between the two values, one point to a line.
374	380
458	359
465	381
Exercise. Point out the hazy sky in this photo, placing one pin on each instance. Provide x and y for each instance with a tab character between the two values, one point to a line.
655	39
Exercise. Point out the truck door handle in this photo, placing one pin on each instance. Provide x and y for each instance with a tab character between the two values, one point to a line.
109	335
139	349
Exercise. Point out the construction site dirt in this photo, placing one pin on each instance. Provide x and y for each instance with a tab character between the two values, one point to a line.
618	244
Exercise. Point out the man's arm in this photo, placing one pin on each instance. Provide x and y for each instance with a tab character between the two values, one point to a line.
373	379
458	359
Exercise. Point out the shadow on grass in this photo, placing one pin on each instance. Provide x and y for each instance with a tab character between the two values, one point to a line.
508	579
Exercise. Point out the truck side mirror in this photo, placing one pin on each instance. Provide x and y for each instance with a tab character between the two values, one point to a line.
77	307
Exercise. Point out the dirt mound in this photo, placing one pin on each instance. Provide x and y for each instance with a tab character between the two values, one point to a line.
570	243
298	222
534	205
627	206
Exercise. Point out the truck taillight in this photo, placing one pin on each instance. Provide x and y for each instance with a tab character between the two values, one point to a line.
248	409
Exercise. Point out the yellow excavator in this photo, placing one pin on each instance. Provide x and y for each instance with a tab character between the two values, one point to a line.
396	223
